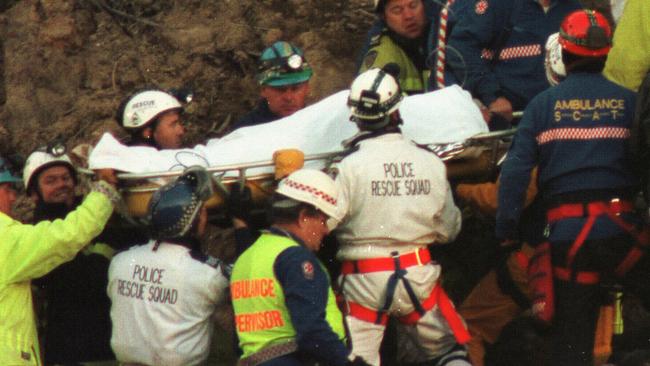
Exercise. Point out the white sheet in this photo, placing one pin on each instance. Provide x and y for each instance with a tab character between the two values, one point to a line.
444	116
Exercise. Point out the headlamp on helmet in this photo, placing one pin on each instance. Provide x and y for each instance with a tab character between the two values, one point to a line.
283	64
43	158
374	95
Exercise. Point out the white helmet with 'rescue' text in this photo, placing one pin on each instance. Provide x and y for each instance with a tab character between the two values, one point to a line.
312	187
374	95
144	107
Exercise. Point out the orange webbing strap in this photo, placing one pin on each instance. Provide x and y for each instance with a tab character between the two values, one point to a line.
585	278
636	252
363	313
418	257
438	296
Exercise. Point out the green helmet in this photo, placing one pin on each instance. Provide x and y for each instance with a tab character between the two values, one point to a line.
6	175
283	64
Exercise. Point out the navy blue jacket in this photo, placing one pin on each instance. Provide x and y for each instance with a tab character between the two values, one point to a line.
306	299
261	114
519	74
576	133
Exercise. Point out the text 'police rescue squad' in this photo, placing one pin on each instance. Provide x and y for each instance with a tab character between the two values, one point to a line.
146	284
400	180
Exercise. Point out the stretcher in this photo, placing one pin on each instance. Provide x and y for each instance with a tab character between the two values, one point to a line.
446	122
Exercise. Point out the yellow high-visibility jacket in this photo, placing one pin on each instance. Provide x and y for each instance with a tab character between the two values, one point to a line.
31	251
629	60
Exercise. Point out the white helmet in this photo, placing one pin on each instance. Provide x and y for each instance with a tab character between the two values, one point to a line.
555	71
374	95
144	107
40	160
313	187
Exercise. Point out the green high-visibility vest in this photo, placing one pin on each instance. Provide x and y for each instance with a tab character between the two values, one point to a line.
384	51
261	316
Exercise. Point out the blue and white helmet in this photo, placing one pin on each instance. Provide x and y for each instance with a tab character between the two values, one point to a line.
174	207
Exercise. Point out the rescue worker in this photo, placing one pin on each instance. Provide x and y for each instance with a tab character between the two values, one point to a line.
499	51
283	76
31	251
402	35
629	61
593	235
394	200
74	293
285	310
503	293
165	292
152	118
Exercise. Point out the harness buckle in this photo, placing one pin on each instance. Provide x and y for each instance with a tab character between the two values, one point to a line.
417	257
615	206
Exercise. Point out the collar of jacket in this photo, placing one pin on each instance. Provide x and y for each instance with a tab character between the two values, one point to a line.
51	211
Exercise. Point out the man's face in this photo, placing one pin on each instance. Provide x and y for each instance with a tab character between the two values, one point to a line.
7	198
285	100
315	229
56	185
169	131
405	17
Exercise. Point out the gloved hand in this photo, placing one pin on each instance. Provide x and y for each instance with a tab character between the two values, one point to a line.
357	361
240	203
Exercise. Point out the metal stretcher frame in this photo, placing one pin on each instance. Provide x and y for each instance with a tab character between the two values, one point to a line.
138	186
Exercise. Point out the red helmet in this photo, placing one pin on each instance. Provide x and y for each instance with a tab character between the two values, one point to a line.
586	33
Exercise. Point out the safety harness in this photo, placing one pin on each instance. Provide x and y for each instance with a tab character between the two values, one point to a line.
398	264
592	210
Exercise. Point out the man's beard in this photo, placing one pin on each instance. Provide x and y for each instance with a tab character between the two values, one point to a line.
52	211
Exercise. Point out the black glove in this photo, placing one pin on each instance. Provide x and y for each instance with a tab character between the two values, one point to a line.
358	361
240	203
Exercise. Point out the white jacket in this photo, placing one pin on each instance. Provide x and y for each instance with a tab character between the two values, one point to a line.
393	196
162	303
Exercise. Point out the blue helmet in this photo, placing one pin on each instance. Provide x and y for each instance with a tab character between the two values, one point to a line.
6	175
174	207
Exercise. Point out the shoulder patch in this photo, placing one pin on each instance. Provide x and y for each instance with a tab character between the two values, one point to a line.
370	58
308	270
481	7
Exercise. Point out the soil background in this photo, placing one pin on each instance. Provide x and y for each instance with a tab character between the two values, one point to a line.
67	64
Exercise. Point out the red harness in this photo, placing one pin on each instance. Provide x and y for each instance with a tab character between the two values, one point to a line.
592	211
438	296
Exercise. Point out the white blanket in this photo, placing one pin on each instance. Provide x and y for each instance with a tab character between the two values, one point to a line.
444	116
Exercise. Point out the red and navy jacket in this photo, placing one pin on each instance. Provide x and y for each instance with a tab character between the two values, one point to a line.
519	28
577	133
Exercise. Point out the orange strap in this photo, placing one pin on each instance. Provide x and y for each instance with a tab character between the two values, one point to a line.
416	258
586	278
438	296
572	210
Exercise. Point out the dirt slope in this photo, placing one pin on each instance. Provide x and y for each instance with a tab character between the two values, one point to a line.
67	64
